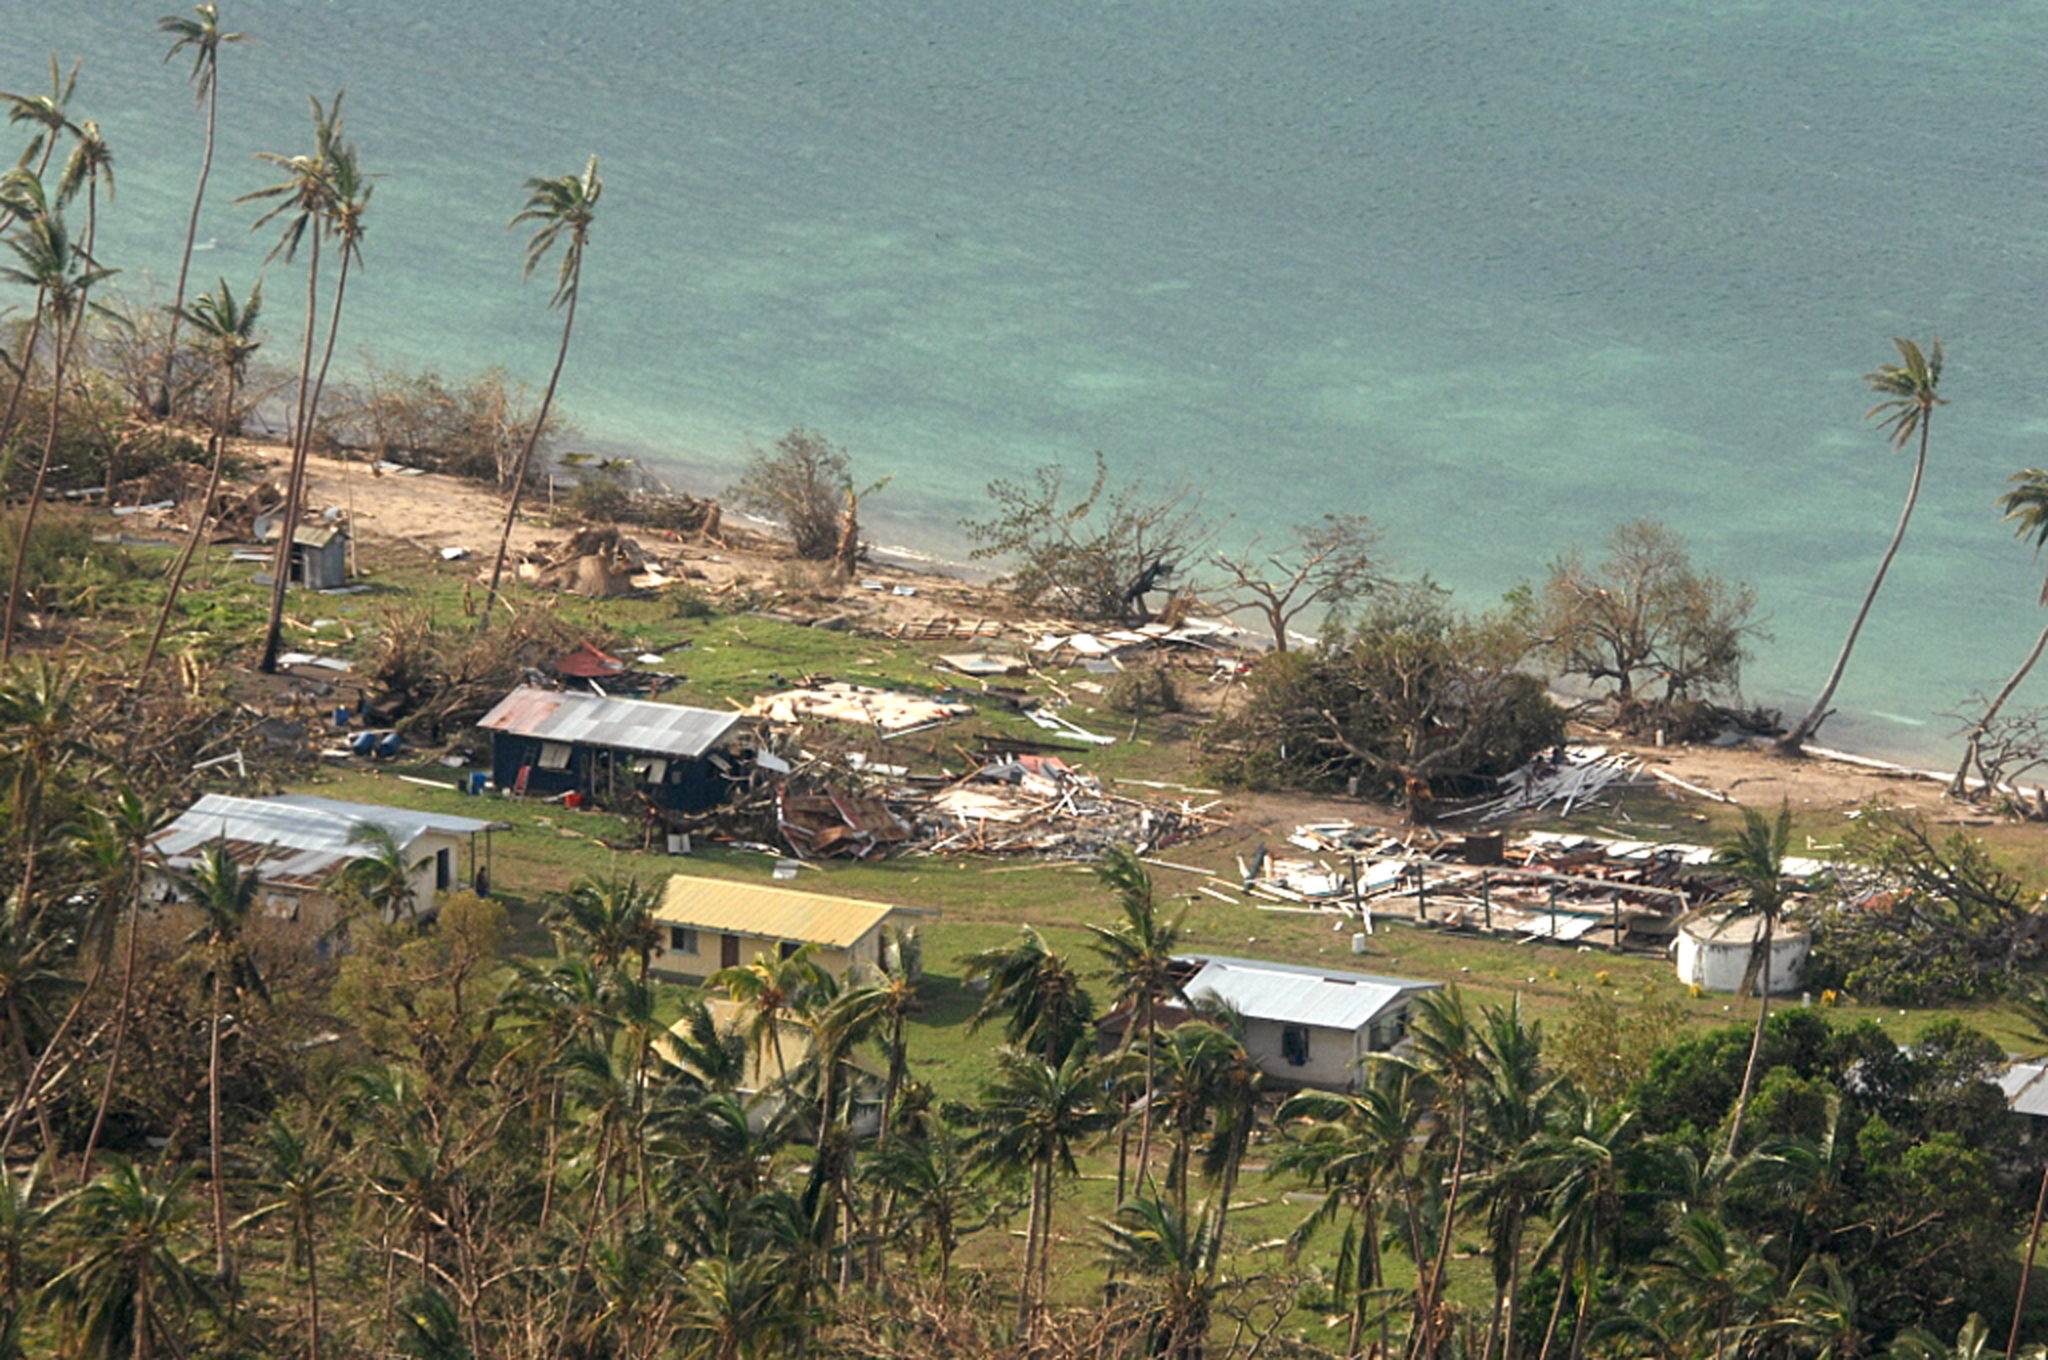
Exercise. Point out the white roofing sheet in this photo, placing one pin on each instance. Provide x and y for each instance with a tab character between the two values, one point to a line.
1295	995
319	826
2026	1088
624	724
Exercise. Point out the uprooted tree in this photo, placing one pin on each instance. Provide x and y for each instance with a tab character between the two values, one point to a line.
1941	923
1328	564
1663	636
1095	557
1415	701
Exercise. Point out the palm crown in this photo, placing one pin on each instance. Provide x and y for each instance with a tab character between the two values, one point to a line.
564	207
1908	390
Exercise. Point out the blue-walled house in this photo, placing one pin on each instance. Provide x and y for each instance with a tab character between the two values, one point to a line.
546	741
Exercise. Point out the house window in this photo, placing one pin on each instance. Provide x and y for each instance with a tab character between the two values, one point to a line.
1294	1045
787	949
682	940
554	755
444	870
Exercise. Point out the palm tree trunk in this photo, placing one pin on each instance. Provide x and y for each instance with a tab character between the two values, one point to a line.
191	236
1564	1284
1756	1043
312	1295
213	1157
1426	1333
295	479
35	495
2019	1298
99	1118
1030	1253
1793	742
540	420
28	354
1145	1118
192	541
1960	785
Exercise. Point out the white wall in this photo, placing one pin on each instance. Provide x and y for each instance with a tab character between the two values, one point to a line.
1332	1055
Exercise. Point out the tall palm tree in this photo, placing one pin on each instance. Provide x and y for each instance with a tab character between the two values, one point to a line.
1584	1205
1446	1050
304	201
1032	1115
1353	1145
227	331
120	828
91	161
225	895
302	1181
1908	392
1515	1104
1139	950
128	1281
201	33
2026	509
63	276
1756	858
21	196
563	209
1038	992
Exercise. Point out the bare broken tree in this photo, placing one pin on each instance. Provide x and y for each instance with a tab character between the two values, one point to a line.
1328	564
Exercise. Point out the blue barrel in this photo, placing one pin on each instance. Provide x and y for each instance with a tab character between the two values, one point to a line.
387	745
363	743
475	782
342	716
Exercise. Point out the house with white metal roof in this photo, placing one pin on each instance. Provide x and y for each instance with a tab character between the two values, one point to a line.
299	847
1303	1026
546	741
713	923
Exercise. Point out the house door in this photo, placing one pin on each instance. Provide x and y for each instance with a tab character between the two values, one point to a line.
729	951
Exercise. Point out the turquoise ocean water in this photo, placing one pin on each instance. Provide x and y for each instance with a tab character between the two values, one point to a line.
1498	273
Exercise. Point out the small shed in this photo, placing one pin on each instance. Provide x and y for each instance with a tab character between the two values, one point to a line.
319	558
1713	952
546	741
713	923
299	847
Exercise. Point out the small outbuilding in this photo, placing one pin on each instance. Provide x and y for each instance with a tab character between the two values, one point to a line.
713	923
299	848
546	741
319	559
1303	1026
1713	952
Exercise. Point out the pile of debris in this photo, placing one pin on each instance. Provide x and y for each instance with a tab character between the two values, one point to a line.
1547	885
597	562
1039	804
891	712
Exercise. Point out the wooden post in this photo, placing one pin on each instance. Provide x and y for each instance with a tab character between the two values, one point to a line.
1486	898
1553	908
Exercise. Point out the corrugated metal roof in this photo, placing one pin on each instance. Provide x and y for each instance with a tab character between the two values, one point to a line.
624	724
314	830
2026	1088
1261	990
772	913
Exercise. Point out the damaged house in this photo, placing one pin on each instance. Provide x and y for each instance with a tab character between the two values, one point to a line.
546	741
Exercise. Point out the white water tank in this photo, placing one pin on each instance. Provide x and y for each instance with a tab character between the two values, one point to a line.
1713	953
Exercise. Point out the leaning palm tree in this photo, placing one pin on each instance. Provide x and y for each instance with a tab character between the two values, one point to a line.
63	276
563	208
2026	508
1756	858
227	329
777	993
203	36
49	114
1908	392
303	201
302	1182
607	919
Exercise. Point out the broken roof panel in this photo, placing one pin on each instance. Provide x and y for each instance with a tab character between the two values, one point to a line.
625	724
1294	995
